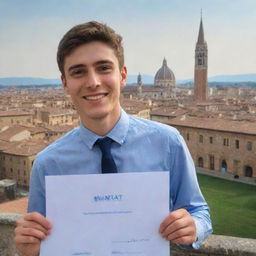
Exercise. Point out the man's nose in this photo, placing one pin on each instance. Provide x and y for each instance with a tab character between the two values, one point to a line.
93	80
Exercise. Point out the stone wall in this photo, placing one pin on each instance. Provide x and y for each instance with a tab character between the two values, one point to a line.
7	224
214	245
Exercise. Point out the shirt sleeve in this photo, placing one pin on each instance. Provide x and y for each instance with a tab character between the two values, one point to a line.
185	192
36	202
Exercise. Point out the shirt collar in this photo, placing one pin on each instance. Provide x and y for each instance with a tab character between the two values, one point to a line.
118	133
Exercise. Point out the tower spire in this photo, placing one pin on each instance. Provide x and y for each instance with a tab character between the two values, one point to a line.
201	66
200	39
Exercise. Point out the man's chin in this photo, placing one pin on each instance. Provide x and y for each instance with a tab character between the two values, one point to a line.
97	115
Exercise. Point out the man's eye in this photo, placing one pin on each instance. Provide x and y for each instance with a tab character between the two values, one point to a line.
77	72
104	68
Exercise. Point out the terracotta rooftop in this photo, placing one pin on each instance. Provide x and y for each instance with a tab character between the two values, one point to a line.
25	148
35	130
147	88
168	112
215	124
4	145
57	111
14	113
15	206
11	131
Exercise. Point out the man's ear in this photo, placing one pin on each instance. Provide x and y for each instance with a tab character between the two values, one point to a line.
64	84
123	76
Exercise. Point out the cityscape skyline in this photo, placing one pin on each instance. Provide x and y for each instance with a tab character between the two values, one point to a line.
156	29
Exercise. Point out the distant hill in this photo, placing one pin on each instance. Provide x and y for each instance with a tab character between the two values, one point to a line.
226	79
132	79
21	81
233	78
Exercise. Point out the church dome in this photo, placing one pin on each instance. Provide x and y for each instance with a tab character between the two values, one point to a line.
165	76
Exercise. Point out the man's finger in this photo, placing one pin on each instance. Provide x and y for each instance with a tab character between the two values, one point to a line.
26	240
184	240
187	231
175	215
33	232
38	218
174	226
34	225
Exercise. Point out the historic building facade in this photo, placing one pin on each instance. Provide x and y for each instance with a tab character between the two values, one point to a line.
201	67
16	160
165	78
218	144
164	85
13	117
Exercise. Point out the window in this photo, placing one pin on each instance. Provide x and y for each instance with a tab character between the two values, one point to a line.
211	158
249	146
226	142
237	143
187	136
224	166
201	138
201	162
211	140
24	162
248	171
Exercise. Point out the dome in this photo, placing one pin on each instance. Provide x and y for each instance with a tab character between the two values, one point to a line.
164	76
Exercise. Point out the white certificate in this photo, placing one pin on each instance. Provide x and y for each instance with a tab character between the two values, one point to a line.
107	214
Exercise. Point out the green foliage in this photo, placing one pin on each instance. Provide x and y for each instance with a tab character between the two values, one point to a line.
232	206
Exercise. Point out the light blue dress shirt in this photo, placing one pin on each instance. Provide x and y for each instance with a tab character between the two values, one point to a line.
139	145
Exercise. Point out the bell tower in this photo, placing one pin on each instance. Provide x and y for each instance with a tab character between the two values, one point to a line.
139	84
201	66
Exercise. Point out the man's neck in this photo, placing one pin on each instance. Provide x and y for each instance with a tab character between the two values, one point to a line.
102	126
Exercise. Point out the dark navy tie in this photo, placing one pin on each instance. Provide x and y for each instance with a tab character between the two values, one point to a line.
107	162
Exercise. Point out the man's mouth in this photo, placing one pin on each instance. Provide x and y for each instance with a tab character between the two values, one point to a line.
95	97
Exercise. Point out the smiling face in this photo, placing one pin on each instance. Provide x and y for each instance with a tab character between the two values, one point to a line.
93	80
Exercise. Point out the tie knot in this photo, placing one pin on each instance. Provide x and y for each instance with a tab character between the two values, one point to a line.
104	144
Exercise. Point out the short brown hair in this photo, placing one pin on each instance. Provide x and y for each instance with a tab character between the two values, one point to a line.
86	33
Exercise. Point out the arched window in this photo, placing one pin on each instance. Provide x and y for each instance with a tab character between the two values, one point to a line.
224	166
248	171
200	162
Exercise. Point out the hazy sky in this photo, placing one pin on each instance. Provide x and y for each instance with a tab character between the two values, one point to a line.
30	31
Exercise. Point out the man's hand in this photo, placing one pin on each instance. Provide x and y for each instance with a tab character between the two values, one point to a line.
30	230
179	227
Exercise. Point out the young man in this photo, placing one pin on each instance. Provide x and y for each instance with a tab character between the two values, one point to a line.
91	62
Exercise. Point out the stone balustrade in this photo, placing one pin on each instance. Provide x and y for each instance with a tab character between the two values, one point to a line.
214	245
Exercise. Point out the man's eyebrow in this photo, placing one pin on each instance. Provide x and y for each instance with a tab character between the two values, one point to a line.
104	62
76	66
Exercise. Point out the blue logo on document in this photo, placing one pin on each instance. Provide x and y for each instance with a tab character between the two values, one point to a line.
108	198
